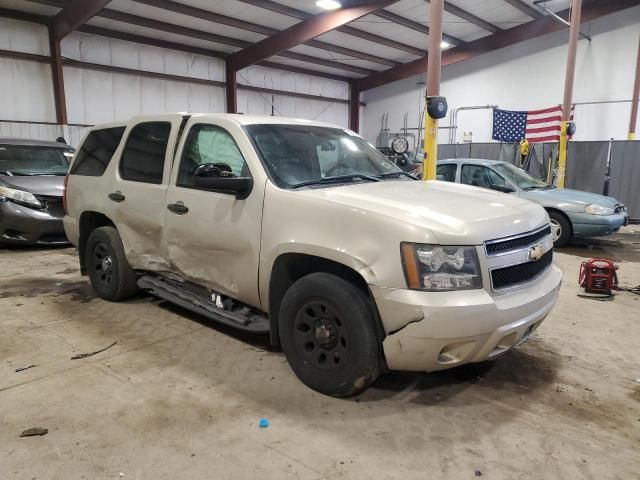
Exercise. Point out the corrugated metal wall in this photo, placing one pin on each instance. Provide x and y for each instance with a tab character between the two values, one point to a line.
93	96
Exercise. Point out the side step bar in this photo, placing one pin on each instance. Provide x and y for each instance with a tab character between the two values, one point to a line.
243	318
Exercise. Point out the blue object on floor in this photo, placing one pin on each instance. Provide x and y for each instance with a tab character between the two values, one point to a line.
263	423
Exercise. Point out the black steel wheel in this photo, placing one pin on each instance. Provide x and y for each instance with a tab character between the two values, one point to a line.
102	264
329	336
322	335
111	276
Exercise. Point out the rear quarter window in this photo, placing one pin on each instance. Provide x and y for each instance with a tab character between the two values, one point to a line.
96	151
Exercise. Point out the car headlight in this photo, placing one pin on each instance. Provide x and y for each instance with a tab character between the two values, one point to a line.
439	268
19	196
595	209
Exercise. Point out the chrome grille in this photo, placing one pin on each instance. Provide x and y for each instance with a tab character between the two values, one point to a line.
520	274
495	247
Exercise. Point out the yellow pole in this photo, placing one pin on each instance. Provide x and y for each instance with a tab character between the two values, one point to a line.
632	136
430	148
434	67
562	154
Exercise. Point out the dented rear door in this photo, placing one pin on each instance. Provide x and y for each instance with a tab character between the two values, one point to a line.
136	199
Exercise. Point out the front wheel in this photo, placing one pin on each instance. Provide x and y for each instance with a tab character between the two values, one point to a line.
111	275
329	336
560	229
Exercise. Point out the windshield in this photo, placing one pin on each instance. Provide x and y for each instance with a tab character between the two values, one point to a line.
28	160
519	177
300	155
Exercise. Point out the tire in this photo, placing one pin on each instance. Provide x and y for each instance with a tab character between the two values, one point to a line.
329	336
111	276
560	228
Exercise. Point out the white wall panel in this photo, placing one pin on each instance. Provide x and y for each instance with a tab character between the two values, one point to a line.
23	37
120	53
257	76
260	103
126	96
26	92
256	103
101	97
526	76
30	130
94	96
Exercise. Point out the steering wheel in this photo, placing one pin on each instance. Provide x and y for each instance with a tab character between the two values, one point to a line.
333	169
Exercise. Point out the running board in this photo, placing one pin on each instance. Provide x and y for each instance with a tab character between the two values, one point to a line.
243	318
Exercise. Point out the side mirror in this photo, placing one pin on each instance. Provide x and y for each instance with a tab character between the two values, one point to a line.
501	188
218	177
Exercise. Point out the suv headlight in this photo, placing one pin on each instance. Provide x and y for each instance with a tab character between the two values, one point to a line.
19	196
439	268
595	209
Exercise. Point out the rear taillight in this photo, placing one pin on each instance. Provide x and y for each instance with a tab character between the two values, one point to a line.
64	194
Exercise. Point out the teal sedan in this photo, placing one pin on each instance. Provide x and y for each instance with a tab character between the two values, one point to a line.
573	213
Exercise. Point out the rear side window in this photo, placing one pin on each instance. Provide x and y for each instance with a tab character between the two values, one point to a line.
94	155
447	172
143	155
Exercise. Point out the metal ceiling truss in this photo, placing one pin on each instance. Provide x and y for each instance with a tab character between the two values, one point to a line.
75	12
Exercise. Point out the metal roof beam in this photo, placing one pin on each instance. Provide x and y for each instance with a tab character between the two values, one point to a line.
525	8
75	15
305	31
195	12
221	39
418	27
301	15
471	18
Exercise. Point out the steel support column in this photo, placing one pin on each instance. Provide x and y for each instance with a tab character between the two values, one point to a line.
354	106
434	67
634	102
231	90
58	79
574	32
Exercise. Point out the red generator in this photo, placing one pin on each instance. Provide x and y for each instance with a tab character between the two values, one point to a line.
598	275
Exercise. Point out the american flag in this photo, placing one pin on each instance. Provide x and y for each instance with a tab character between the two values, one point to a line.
534	125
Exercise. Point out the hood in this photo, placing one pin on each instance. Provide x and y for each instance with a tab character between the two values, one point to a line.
455	214
565	198
48	185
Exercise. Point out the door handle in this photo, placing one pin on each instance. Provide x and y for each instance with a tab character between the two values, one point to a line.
116	196
178	208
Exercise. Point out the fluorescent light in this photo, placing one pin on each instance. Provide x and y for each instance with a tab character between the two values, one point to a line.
328	4
444	44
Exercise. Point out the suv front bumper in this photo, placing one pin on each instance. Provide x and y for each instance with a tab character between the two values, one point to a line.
429	331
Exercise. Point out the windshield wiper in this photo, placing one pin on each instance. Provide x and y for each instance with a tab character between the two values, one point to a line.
397	174
536	187
336	179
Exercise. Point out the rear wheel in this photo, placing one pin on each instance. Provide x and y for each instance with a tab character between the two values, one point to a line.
328	334
560	229
111	276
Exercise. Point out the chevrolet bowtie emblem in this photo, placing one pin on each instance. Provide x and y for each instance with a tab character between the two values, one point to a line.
536	252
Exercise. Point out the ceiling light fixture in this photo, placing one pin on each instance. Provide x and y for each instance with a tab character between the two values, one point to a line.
444	44
328	4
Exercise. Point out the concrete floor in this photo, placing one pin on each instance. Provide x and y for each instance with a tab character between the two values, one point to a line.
180	398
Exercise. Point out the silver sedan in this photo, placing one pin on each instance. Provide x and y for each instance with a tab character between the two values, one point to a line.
573	213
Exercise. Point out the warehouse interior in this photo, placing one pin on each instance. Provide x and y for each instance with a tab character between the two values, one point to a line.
181	364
